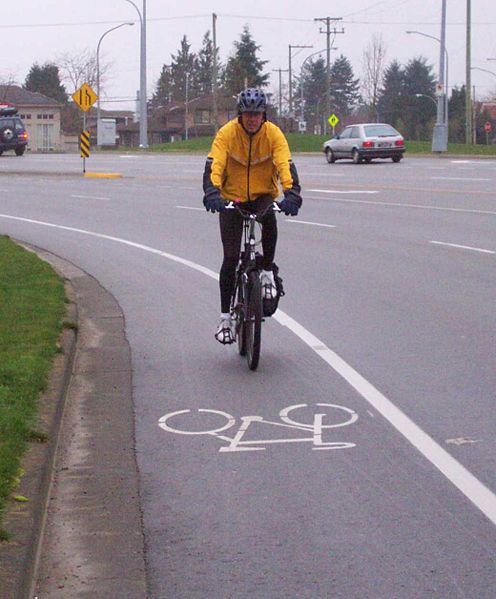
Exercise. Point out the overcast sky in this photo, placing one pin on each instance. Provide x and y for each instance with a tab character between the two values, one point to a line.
31	31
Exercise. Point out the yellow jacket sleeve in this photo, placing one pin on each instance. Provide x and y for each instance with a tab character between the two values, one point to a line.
281	156
218	156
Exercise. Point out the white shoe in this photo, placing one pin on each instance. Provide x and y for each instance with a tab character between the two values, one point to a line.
269	289
225	331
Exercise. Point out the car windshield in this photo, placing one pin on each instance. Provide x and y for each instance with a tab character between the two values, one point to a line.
380	131
7	123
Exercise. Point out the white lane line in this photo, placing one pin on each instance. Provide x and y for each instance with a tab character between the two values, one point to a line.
88	197
459	179
306	222
397	204
365	191
480	495
303	222
463	247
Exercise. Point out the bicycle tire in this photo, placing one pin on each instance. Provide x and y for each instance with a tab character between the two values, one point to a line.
241	325
253	322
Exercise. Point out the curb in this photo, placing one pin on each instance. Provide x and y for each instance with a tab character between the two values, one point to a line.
61	547
26	522
103	175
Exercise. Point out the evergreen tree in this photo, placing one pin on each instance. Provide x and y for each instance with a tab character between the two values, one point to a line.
184	67
205	65
392	95
244	68
456	111
313	81
45	80
163	88
345	93
419	111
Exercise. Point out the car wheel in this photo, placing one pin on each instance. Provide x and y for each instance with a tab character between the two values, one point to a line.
368	160
1	152
20	151
331	159
356	157
396	158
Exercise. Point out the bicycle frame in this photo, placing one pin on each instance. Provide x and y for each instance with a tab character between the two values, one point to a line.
246	301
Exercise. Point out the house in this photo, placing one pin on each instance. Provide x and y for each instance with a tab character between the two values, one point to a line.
40	115
179	120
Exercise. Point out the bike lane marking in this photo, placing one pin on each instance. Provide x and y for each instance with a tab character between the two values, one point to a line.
480	495
236	443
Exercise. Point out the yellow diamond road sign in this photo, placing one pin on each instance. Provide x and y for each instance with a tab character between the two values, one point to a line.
85	97
333	120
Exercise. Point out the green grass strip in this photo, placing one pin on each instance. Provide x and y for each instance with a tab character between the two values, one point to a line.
302	142
32	305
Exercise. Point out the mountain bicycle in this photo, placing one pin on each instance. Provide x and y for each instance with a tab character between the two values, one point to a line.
246	302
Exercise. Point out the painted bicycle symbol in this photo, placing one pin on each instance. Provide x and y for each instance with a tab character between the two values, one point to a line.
328	416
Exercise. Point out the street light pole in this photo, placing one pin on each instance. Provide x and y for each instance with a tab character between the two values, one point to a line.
186	114
291	79
302	114
440	133
98	135
143	121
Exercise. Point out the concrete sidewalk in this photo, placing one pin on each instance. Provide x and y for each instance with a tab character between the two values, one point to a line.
81	533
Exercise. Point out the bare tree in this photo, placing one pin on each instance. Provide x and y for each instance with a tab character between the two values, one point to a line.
373	62
80	67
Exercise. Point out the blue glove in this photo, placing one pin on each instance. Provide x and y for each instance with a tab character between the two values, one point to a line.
213	202
291	203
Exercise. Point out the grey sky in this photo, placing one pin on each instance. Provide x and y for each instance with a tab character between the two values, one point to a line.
30	33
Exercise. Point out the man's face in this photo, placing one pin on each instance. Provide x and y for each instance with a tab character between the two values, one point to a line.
252	121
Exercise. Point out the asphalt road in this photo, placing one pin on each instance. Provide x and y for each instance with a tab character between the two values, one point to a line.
368	466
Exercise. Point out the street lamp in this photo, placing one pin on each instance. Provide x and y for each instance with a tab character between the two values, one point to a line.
98	129
443	143
426	96
484	70
143	121
291	46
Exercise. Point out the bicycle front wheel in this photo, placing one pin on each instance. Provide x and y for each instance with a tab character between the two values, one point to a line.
241	323
253	320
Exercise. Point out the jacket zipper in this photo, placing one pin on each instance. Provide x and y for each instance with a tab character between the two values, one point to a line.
248	170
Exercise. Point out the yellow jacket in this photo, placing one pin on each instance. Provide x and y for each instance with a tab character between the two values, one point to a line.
244	167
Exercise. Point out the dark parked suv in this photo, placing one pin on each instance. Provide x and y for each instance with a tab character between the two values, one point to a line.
13	135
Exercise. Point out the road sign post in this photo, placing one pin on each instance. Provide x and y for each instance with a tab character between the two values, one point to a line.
84	97
333	120
488	128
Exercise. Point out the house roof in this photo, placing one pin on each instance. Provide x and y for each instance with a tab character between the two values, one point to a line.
18	96
491	108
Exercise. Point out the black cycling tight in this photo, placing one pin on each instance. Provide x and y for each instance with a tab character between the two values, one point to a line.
231	231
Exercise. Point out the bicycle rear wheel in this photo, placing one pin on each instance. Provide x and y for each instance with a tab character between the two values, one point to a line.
253	321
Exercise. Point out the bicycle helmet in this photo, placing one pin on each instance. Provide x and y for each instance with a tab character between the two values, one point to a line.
252	100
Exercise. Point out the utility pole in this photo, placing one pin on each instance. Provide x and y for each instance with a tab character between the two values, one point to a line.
214	72
327	21
291	78
440	133
186	113
468	82
143	123
280	71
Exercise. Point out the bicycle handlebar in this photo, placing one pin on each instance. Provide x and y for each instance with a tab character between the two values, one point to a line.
232	205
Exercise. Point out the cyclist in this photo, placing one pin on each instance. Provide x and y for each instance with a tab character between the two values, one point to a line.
248	159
